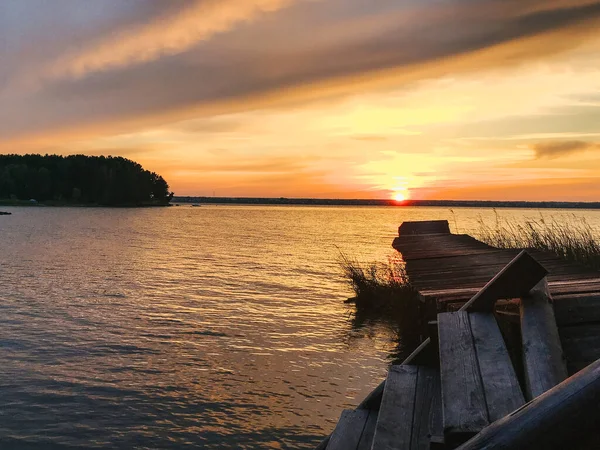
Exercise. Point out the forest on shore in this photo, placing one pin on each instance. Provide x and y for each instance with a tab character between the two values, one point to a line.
81	180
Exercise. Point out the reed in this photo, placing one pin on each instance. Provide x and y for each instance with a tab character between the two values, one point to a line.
572	239
378	285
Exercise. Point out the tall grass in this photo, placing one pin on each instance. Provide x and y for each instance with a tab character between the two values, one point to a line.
384	295
377	285
572	239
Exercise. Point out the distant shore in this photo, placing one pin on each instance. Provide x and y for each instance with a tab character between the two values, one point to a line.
383	202
59	203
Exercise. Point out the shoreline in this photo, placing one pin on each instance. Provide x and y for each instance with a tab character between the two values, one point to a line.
29	204
384	202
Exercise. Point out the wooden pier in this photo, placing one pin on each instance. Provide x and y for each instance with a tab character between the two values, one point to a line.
468	385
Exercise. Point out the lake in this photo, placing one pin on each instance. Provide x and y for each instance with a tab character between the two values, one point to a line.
219	327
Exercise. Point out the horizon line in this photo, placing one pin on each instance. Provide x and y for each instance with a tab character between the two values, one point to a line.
382	202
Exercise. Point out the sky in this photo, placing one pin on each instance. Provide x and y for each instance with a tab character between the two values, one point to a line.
422	99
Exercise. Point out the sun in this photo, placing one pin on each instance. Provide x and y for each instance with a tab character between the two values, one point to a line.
399	196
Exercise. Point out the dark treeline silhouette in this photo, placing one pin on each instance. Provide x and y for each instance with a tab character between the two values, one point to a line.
80	179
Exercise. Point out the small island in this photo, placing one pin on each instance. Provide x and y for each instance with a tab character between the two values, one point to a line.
79	180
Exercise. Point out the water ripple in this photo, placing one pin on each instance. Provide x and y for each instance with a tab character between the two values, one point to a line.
214	327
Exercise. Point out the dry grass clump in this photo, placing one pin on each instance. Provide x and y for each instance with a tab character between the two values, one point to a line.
573	239
377	285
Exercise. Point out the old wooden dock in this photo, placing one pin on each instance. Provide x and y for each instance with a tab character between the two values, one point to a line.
468	385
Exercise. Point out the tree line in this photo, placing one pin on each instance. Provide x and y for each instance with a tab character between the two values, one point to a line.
80	179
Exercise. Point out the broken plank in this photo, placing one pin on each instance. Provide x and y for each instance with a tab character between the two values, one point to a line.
349	429
394	424
577	309
503	393
581	345
426	415
564	417
366	440
517	278
463	398
373	400
424	227
543	358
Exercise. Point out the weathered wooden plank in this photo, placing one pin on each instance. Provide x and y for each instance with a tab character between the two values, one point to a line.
477	282
436	426
463	398
442	296
591	279
323	444
503	393
434	254
582	331
348	430
366	440
461	261
431	242
543	359
394	424
467	292
577	309
437	237
373	400
557	274
424	227
437	246
581	353
581	345
516	279
425	415
563	417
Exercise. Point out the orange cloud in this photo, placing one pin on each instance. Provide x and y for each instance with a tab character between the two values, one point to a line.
277	67
197	21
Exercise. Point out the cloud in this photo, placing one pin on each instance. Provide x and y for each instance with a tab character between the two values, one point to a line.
550	150
218	56
240	165
369	138
198	21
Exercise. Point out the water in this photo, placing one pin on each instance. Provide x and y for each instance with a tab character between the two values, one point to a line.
214	327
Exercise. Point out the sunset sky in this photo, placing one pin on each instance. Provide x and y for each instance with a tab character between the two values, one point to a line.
430	99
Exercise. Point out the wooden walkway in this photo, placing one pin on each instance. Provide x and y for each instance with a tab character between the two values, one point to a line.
463	388
449	269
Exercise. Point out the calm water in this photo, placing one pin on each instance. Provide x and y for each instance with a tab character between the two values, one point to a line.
213	327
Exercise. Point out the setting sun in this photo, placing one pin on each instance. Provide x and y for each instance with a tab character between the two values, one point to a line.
399	196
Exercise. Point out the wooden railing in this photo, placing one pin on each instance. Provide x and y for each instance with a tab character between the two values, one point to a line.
566	416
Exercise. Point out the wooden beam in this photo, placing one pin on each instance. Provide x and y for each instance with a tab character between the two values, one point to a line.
516	279
366	440
503	393
428	409
394	424
581	345
348	430
577	309
463	398
543	358
373	400
563	417
323	444
424	227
